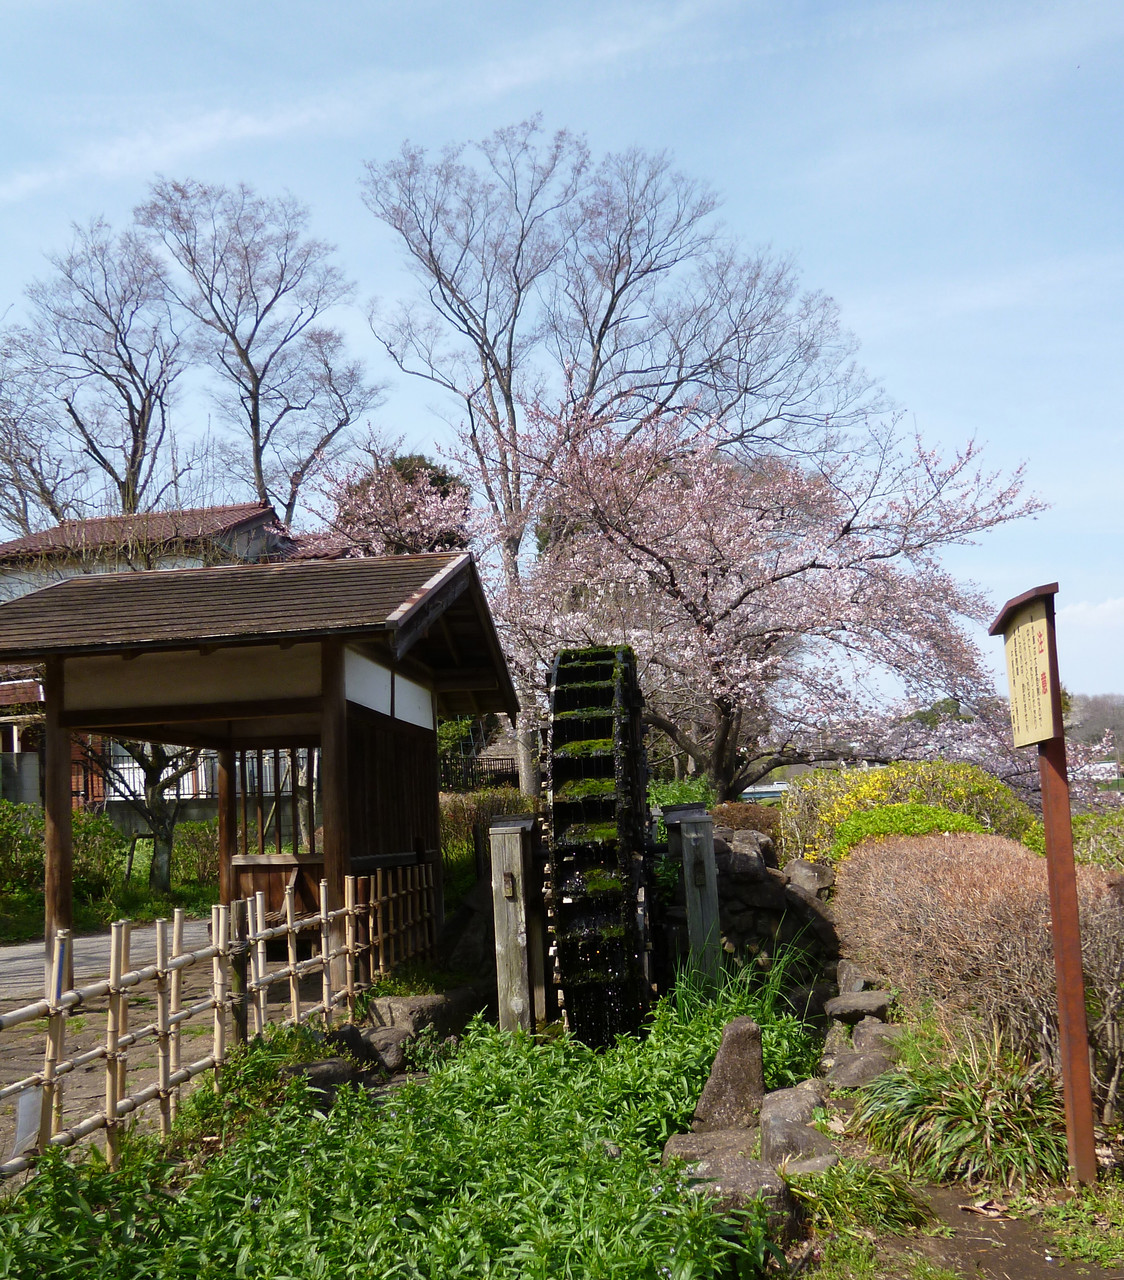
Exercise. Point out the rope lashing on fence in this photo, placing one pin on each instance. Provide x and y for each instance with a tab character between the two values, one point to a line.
386	919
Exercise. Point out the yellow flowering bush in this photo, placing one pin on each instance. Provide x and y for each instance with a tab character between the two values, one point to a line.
817	802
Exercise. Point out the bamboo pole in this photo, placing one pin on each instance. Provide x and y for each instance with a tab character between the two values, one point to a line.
239	930
220	971
291	946
176	999
50	1113
372	926
163	1028
349	935
325	953
262	987
381	922
112	1035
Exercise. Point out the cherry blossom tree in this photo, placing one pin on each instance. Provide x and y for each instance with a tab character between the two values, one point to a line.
768	598
392	503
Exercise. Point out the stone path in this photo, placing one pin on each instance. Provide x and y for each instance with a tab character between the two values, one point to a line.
21	966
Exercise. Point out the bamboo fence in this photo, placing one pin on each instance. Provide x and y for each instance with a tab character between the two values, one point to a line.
386	919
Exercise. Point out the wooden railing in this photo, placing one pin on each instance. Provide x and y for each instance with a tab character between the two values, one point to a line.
386	918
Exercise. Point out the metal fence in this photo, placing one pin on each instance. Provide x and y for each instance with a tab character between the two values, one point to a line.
470	774
386	919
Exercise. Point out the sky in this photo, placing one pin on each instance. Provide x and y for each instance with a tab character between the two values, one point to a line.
950	173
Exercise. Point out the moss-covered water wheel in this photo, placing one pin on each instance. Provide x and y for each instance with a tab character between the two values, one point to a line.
599	860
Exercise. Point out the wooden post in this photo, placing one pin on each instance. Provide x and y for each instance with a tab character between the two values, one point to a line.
334	781
1027	625
228	823
239	932
690	840
509	840
58	836
220	970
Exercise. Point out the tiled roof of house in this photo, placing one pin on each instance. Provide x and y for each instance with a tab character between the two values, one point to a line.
150	528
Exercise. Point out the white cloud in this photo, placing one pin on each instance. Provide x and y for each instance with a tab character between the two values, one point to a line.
557	53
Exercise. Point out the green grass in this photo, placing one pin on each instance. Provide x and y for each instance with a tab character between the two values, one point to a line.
848	1258
520	1157
1090	1226
983	1117
21	911
854	1196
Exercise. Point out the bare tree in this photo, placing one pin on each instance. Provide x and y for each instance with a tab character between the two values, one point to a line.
104	344
258	289
40	481
605	288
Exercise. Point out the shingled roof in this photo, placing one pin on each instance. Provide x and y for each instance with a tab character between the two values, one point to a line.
149	528
396	599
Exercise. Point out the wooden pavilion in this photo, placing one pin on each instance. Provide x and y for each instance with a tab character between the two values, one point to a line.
352	659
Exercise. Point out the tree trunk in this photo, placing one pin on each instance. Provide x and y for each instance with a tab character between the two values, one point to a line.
160	872
527	758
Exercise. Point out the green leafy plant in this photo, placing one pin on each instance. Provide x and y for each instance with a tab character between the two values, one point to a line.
1089	1226
984	1117
195	853
855	1195
817	802
898	820
461	814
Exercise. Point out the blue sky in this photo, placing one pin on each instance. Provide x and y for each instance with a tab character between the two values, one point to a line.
950	172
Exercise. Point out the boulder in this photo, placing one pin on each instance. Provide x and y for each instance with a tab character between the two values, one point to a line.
855	1005
794	1105
783	1140
814	877
756	843
872	1036
720	1164
387	1045
852	1070
447	1013
731	1098
851	977
739	866
817	1087
811	1167
350	1040
325	1077
836	1043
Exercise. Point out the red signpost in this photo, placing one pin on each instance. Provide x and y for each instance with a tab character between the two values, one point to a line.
1027	626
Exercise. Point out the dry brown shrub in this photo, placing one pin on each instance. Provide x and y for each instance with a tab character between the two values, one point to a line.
747	817
965	920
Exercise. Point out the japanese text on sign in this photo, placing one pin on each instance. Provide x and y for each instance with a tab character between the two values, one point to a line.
1026	643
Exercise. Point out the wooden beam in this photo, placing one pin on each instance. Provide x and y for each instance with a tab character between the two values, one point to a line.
470	680
97	718
333	764
228	823
59	840
416	624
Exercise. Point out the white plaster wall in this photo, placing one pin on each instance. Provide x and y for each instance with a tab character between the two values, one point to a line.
365	682
412	702
227	675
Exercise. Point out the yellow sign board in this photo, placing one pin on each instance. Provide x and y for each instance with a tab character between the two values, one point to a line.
1027	646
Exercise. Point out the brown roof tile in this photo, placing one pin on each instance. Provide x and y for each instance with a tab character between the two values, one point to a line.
174	607
78	537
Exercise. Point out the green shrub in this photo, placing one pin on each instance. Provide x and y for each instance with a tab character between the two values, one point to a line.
817	802
985	1117
461	813
100	850
21	846
694	790
195	852
855	1196
517	1158
898	820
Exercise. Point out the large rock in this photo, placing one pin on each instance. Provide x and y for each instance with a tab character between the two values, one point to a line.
852	1070
851	977
872	1036
783	1140
855	1005
740	866
720	1164
325	1077
814	1166
794	1105
836	1042
387	1045
814	877
448	1013
731	1098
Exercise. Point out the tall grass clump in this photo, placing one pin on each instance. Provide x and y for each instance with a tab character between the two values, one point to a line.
816	803
855	1196
463	814
518	1158
985	1118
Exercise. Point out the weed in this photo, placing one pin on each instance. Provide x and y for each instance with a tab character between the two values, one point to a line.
1090	1225
984	1117
854	1195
